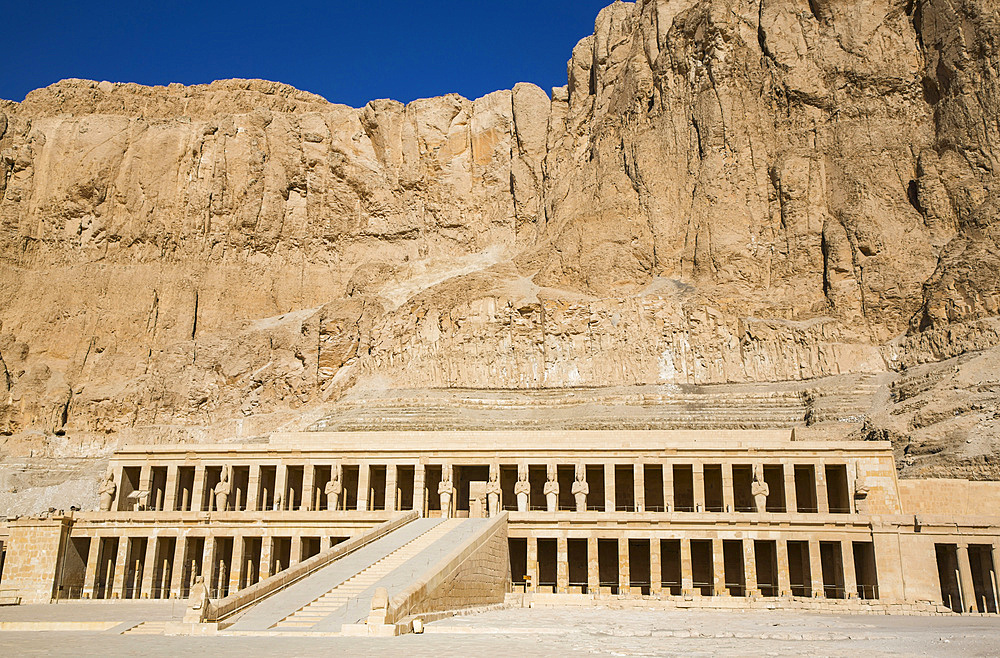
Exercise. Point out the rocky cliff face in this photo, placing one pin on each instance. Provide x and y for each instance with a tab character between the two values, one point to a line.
725	192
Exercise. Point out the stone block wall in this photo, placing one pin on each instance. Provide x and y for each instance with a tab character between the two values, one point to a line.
32	561
476	574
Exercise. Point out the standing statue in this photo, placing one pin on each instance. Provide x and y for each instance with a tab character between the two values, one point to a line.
445	487
522	489
581	488
198	602
860	495
551	490
759	489
277	501
333	489
493	492
107	491
223	489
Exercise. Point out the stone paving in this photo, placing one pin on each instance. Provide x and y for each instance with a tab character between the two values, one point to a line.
556	631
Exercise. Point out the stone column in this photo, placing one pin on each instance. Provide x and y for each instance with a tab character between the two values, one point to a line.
562	565
170	492
90	573
146	483
419	499
177	569
788	473
265	556
253	489
822	502
120	503
668	486
280	486
364	477
655	569
624	573
308	501
994	576
609	487
198	490
117	586
532	566
850	577
750	568
965	579
687	573
236	566
698	478
390	487
148	567
295	555
719	568
208	562
816	571
593	567
784	577
639	487
728	490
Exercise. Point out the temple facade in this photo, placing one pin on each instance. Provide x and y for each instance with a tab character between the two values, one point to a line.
781	515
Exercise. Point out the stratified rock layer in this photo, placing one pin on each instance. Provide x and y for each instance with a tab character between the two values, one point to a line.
725	193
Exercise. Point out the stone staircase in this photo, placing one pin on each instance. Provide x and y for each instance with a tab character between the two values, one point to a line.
338	597
148	628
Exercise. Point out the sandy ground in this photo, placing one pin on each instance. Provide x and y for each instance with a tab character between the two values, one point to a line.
552	631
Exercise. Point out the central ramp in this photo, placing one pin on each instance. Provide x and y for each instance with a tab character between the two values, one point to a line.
341	592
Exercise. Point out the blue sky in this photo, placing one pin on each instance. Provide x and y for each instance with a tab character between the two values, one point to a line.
348	52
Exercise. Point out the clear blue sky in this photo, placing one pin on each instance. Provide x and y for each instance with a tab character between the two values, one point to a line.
347	51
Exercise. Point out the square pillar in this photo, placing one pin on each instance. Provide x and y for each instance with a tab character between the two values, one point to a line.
532	566
208	561
668	486
816	571
655	570
170	495
562	565
850	577
788	472
719	568
177	569
295	555
639	487
687	573
593	567
965	579
308	501
265	557
117	587
698	479
198	490
280	485
750	567
253	486
419	499
90	574
390	487
728	493
364	477
623	567
609	487
148	567
236	566
822	502
146	482
784	577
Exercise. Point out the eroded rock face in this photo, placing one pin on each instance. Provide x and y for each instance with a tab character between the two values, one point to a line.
725	192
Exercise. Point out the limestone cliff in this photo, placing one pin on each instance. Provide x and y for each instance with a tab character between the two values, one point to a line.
726	193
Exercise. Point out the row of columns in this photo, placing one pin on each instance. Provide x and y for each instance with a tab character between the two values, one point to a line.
719	587
183	567
308	494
